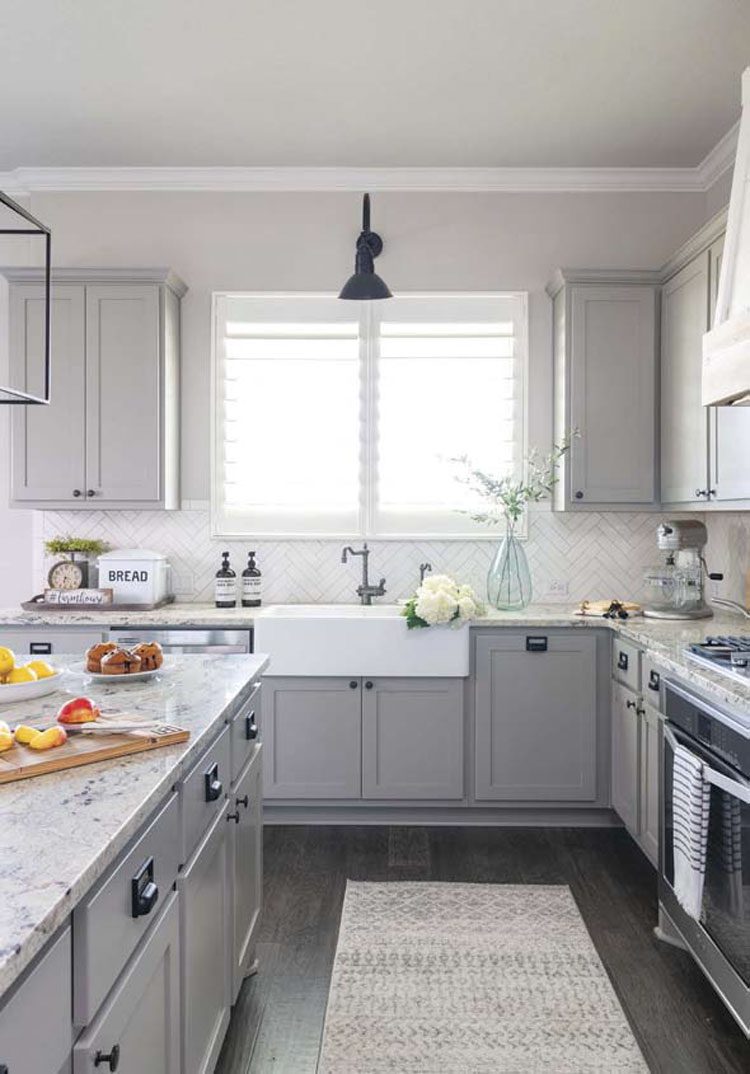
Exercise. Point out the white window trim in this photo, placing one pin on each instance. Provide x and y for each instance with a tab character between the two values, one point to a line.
367	372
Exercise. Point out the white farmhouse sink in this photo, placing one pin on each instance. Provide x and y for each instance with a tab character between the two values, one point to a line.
350	639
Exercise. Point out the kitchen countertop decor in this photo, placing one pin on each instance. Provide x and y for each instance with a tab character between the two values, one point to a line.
60	832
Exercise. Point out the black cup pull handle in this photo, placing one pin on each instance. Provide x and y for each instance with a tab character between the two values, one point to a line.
38	648
536	644
112	1058
622	661
251	727
654	681
143	890
213	783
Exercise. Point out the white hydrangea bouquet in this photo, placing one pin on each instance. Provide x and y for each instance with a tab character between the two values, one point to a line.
440	599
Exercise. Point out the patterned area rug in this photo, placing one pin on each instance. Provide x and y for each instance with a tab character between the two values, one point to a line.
470	979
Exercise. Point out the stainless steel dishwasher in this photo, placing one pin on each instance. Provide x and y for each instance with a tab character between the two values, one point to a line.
188	640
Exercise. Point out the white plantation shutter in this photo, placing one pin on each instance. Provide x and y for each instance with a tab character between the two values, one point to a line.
339	419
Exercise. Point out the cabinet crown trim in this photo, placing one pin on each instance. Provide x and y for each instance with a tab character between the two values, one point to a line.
706	236
83	274
603	277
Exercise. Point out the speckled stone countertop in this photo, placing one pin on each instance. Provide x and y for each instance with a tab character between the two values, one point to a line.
58	833
171	615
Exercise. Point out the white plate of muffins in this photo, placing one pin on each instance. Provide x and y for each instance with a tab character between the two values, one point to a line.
107	662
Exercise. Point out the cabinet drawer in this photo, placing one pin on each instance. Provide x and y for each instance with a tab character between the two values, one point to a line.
626	663
203	792
36	1026
138	1026
243	731
50	641
651	680
109	922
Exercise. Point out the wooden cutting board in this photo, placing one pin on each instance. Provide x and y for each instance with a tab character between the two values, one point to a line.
21	762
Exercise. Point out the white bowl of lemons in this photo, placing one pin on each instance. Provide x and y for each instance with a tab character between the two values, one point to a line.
24	682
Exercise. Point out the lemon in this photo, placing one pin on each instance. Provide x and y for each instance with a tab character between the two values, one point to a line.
25	674
7	660
42	668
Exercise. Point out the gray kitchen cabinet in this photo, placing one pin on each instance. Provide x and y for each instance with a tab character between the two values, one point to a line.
138	1024
605	378
684	420
204	949
626	707
536	717
312	737
49	641
246	867
648	835
48	442
39	1001
412	738
110	436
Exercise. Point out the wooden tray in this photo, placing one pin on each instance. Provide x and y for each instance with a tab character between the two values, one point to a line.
20	762
40	606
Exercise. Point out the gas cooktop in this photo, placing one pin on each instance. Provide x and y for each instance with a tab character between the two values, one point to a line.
727	653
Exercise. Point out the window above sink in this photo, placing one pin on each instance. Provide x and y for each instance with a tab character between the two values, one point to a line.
338	420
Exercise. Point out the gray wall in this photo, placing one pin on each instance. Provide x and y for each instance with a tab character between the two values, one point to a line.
303	241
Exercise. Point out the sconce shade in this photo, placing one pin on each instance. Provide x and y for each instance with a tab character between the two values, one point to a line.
365	284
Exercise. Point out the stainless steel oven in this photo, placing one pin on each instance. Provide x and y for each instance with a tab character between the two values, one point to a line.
720	939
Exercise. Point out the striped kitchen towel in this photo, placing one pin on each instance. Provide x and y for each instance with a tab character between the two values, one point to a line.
691	800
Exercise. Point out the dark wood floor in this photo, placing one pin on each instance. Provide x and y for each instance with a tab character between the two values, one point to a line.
680	1023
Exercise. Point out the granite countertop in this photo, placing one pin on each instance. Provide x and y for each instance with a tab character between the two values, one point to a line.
61	831
179	614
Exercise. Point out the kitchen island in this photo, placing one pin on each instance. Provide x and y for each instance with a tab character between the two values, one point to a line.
63	833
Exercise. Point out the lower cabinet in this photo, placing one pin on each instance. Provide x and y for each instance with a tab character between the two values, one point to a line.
536	717
413	739
381	738
625	755
635	767
204	949
246	867
137	1028
312	737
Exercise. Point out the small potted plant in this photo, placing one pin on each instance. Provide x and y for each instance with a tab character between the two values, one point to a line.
509	577
80	551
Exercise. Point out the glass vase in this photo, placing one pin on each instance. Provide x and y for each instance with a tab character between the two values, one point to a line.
509	577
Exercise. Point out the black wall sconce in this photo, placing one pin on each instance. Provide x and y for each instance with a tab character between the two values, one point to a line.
14	395
365	284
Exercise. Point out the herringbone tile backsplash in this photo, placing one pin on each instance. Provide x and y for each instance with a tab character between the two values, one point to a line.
595	555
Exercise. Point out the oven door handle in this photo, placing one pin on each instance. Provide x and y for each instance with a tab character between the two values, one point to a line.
734	787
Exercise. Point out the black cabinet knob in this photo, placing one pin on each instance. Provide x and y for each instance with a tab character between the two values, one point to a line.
143	891
112	1058
353	684
251	727
77	493
368	685
212	782
701	492
631	704
234	816
90	492
579	494
243	801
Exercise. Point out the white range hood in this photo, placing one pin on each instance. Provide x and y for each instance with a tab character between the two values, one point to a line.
726	348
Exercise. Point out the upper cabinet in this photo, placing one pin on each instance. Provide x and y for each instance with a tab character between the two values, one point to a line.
703	449
110	436
605	366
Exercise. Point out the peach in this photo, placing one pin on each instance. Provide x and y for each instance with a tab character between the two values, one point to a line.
47	740
24	733
79	710
6	741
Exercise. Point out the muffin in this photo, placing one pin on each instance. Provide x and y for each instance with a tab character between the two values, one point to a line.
150	654
120	662
95	654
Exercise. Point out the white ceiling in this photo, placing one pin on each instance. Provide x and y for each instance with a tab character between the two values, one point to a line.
502	83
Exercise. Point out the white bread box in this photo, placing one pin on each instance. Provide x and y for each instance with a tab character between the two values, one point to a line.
135	575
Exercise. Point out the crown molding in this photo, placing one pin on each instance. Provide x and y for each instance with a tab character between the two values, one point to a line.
459	180
82	274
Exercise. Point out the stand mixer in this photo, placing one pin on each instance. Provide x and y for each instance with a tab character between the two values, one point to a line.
676	590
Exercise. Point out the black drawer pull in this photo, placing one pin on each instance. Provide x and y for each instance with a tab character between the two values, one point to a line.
143	890
39	648
368	685
353	684
536	644
234	816
242	801
251	727
213	783
622	661
112	1058
654	681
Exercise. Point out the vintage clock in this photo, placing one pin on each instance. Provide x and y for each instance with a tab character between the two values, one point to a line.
68	574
